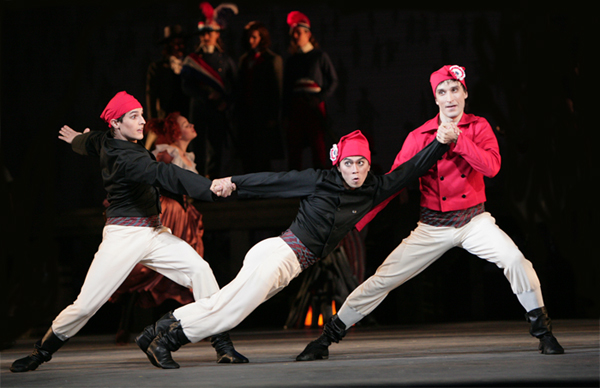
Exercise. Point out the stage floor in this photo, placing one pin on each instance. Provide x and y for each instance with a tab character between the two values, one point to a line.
474	354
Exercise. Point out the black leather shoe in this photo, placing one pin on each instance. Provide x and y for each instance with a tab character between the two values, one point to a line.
151	331
226	353
333	331
166	342
30	362
315	350
549	345
42	352
541	328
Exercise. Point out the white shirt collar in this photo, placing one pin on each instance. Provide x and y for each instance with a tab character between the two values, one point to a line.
306	48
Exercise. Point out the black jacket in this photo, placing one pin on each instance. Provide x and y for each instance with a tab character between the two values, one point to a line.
131	175
328	211
315	65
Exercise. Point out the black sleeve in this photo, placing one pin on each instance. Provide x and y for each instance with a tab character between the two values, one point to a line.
141	168
88	143
410	170
276	184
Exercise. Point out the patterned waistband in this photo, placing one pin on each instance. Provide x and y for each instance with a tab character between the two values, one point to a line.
456	218
152	221
305	257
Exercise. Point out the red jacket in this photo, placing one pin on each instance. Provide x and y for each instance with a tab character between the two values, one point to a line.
455	182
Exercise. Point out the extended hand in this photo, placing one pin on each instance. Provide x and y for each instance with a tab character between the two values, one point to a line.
222	187
67	134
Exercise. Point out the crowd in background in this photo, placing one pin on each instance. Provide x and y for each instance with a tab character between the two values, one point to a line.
252	111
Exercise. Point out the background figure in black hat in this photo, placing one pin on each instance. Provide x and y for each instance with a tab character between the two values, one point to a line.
258	105
208	76
309	80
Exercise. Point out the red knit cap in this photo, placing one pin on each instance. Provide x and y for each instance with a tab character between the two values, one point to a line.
447	72
120	104
353	144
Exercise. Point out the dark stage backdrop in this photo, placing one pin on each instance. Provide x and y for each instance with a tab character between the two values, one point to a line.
63	61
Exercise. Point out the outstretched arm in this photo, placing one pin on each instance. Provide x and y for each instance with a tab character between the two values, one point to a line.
410	170
67	134
292	184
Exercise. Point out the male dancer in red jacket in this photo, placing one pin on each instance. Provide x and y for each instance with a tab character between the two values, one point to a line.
452	215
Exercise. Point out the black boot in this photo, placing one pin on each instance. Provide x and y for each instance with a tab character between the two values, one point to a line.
333	331
541	327
42	352
151	331
226	353
166	342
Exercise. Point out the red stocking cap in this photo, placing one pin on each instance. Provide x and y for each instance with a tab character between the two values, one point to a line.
120	104
297	19
353	144
447	72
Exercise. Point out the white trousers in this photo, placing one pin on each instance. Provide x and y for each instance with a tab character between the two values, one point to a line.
121	249
268	267
481	237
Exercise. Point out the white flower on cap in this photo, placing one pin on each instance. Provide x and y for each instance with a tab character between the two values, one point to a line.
459	72
333	153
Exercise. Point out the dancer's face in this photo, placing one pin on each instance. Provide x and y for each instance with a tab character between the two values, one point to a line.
354	170
450	97
131	128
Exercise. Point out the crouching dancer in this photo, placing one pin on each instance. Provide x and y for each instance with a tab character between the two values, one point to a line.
133	232
332	201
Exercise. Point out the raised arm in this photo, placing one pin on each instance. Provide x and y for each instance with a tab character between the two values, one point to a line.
86	143
67	133
412	169
421	162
